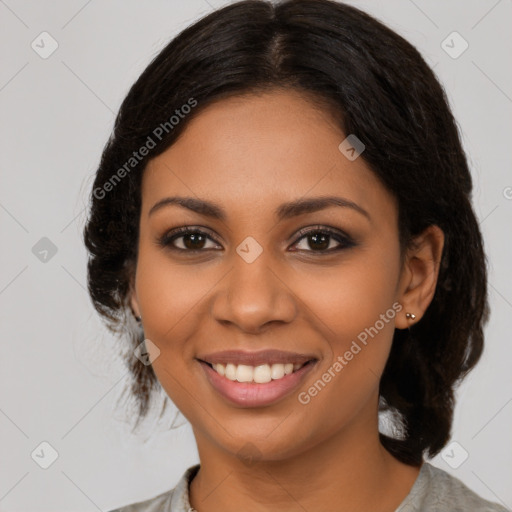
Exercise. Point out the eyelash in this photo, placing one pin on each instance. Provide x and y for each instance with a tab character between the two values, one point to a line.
168	238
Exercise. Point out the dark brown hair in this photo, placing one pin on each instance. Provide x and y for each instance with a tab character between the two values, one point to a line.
381	90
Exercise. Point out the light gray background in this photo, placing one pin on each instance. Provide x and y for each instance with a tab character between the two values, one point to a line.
59	376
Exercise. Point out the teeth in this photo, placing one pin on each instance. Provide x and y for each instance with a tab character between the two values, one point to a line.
277	371
260	374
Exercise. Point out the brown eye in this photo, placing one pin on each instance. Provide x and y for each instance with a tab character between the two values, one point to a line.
189	239
318	241
193	241
321	240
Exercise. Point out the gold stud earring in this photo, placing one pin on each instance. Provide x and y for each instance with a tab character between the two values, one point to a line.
410	316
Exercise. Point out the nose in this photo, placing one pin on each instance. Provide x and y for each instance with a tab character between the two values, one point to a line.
254	295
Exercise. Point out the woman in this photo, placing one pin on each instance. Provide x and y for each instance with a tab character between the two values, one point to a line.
284	208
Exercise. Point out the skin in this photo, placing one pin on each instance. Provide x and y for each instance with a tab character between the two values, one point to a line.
249	155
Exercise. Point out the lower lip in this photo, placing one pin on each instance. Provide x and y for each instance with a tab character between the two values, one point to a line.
251	394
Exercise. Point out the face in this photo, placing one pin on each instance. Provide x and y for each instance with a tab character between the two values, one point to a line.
320	281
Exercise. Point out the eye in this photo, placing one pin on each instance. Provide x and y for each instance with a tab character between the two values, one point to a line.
320	239
192	239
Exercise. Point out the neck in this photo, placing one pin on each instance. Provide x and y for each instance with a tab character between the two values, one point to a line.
349	470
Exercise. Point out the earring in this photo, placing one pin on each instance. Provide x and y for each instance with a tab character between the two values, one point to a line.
410	316
138	318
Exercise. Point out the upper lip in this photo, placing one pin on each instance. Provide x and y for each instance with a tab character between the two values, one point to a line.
270	356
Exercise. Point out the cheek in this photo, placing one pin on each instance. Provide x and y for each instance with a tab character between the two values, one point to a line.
169	292
354	314
356	325
171	297
352	296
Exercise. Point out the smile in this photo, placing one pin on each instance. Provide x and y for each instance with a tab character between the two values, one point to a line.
260	374
248	392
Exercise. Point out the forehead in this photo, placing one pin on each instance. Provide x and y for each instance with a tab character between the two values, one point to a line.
254	151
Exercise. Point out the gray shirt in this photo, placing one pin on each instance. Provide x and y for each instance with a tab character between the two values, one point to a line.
434	490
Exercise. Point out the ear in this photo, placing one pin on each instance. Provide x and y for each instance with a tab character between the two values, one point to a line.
419	275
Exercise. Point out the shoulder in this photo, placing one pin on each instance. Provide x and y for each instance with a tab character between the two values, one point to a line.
435	490
174	500
158	503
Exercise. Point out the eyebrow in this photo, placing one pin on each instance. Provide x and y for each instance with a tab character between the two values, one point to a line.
284	211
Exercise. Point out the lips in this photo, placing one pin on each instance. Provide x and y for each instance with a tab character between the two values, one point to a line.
256	394
251	394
